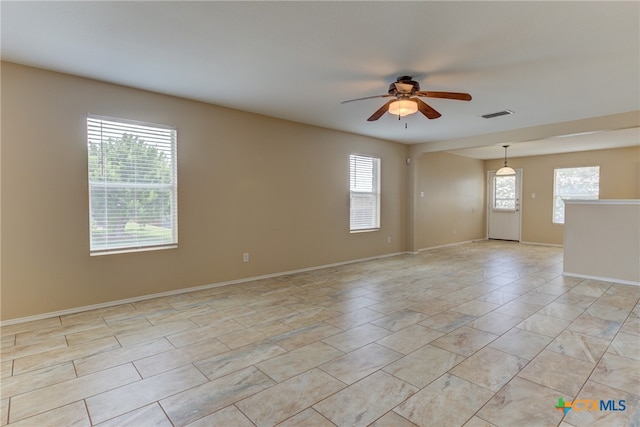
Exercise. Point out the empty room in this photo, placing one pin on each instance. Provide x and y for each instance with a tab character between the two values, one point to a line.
320	213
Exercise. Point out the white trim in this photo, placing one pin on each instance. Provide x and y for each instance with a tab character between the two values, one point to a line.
182	291
133	249
603	279
555	245
603	202
364	230
445	246
482	240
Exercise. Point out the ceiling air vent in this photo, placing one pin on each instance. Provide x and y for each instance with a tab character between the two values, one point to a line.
498	114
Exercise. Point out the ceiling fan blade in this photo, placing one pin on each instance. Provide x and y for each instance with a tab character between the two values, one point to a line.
446	95
380	112
366	97
426	109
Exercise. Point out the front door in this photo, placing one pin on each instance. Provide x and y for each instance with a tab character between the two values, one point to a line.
503	200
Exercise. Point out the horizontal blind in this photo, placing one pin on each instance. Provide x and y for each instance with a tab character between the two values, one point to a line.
132	184
364	177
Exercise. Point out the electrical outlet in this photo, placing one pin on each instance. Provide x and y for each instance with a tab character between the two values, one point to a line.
389	239
245	257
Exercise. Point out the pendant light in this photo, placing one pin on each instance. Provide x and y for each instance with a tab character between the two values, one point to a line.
505	170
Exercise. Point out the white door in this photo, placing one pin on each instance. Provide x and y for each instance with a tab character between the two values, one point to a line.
503	200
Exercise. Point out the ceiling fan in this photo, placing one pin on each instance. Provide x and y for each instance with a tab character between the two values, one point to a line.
406	92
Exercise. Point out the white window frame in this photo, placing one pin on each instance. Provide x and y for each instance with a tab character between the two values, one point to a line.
137	229
364	188
567	196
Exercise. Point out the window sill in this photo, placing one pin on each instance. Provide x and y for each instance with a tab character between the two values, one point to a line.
129	250
367	230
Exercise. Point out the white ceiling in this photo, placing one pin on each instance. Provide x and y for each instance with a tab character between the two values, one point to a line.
548	62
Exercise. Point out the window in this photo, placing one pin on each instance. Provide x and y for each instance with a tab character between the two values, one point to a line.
504	192
364	178
574	183
132	185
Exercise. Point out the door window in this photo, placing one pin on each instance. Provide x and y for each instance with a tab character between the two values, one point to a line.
504	192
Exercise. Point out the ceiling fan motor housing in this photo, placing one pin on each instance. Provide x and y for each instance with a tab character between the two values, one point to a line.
404	85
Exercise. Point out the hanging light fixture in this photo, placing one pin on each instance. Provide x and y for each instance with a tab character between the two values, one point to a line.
505	170
403	107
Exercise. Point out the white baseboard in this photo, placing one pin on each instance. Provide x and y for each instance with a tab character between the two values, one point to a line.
182	291
445	246
554	245
602	279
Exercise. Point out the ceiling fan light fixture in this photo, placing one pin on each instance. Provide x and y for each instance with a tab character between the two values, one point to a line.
403	107
505	170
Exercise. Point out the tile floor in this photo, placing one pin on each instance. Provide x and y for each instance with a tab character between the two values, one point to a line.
481	334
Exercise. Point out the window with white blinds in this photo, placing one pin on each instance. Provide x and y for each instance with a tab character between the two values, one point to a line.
364	178
132	185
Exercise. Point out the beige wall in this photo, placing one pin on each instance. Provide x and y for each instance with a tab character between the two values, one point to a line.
602	240
452	209
619	179
247	183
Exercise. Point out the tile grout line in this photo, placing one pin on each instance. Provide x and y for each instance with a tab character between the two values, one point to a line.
602	356
335	295
545	348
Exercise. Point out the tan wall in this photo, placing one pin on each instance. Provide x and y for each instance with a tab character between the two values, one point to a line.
247	183
619	179
452	209
601	240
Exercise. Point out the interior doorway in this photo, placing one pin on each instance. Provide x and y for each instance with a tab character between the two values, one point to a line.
503	206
